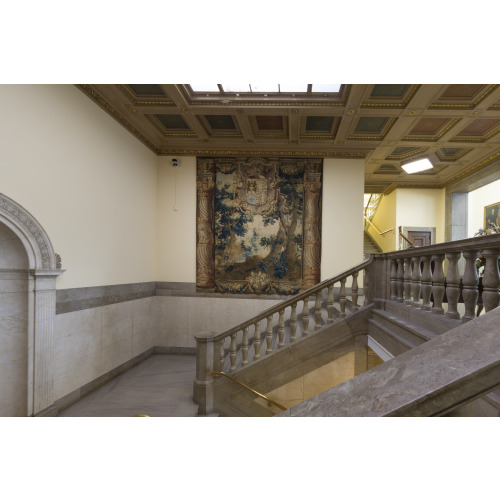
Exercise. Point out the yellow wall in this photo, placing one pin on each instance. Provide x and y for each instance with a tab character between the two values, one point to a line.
410	208
421	208
477	200
89	183
384	219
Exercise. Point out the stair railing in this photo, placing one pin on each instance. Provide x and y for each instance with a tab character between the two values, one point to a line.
421	275
275	328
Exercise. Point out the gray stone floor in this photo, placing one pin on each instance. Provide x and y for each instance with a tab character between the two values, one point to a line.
160	386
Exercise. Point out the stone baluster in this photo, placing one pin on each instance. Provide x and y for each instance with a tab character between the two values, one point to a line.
281	329
342	298
256	341
426	283
416	281
392	278
269	335
222	354
452	285
244	347
366	286
438	284
354	292
399	280
470	281
317	311
293	323
407	280
305	316
329	304
491	279
232	351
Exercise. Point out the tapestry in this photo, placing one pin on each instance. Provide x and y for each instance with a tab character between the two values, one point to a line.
259	219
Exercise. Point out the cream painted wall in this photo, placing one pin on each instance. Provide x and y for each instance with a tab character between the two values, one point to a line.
421	208
477	200
85	179
384	219
342	227
177	220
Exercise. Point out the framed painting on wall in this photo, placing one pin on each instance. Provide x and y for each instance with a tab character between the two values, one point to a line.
258	224
492	216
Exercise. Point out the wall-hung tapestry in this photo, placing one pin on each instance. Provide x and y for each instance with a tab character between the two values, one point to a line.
258	224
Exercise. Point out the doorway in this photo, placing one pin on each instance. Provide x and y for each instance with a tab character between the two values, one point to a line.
14	279
419	236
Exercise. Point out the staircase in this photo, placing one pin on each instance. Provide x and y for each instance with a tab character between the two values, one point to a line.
369	245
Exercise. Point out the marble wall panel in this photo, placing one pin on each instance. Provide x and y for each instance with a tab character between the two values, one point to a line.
143	323
117	323
204	314
77	350
171	321
13	388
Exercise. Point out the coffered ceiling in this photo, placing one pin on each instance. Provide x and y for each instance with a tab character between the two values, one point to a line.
455	126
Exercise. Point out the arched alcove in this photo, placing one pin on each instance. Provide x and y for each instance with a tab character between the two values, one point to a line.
28	270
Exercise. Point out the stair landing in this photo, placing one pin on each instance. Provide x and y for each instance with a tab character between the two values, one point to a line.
160	386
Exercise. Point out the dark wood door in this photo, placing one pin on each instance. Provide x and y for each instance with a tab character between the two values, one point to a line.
420	238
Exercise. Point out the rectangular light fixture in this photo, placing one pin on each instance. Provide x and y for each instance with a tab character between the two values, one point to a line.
417	166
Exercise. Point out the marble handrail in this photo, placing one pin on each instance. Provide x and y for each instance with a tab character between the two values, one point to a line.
421	275
322	304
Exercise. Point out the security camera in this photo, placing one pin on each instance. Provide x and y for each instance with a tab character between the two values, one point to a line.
175	162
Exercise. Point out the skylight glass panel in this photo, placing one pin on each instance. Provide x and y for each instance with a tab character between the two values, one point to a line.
293	88
236	87
204	87
332	88
265	88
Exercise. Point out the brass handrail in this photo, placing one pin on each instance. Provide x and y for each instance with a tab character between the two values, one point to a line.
269	400
371	224
405	238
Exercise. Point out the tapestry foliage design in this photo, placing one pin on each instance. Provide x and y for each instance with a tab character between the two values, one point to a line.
258	224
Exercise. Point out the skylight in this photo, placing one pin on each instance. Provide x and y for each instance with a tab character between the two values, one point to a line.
332	88
266	88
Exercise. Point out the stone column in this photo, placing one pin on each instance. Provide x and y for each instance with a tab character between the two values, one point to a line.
44	307
312	237
205	186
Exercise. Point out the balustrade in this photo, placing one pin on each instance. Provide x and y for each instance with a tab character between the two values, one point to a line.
415	277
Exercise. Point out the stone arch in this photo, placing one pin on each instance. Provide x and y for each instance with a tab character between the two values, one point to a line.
44	267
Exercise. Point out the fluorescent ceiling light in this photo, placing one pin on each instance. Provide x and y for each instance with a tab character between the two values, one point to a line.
204	87
417	166
326	87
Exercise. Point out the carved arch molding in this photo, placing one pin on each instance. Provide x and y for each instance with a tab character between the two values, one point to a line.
44	267
232	192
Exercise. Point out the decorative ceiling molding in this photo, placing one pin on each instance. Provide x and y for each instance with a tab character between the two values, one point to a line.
364	121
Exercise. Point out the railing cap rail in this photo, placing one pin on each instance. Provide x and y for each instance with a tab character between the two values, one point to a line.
476	243
296	298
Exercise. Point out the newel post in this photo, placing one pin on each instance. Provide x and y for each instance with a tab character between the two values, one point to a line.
203	388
